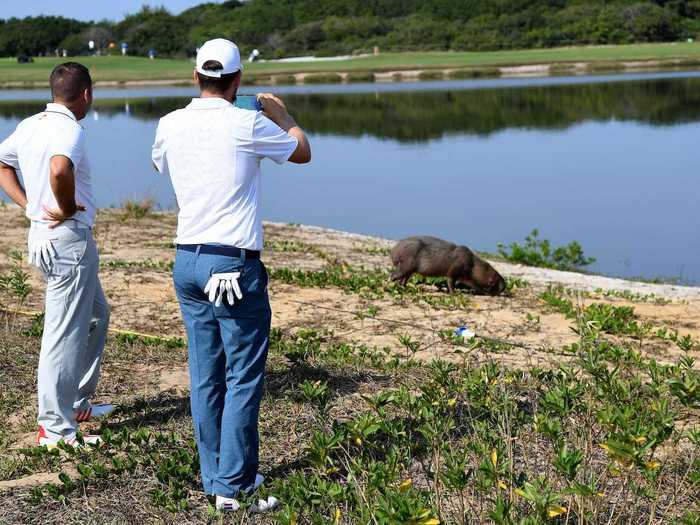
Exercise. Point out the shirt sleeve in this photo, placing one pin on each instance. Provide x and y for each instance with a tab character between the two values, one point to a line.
8	151
271	141
68	142
158	152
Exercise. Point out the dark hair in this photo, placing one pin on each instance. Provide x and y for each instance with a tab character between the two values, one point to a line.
217	85
69	80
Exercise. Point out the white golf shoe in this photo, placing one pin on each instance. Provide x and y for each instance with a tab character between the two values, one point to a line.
263	505
232	504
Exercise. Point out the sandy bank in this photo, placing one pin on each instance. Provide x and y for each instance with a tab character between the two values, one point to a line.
408	73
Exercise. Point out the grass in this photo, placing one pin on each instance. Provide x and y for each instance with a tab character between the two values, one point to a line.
121	69
357	434
135	210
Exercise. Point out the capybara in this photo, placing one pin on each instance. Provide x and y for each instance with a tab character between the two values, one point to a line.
433	257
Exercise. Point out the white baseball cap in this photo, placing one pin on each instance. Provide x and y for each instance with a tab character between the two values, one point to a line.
221	50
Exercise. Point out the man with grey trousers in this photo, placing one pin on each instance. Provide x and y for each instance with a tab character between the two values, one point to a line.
48	151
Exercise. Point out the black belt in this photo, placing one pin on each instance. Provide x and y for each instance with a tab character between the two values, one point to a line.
212	249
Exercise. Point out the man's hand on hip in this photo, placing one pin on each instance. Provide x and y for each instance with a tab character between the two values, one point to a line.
58	216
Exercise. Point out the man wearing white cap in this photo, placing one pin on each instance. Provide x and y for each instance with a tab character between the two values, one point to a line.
212	151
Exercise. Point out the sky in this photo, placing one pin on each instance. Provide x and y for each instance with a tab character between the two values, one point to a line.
89	9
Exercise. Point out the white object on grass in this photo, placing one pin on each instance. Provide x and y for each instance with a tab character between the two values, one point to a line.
222	284
465	332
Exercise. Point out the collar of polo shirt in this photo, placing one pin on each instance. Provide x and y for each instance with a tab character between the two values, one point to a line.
54	107
208	103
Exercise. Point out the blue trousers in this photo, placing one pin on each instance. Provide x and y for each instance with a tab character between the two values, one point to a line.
227	353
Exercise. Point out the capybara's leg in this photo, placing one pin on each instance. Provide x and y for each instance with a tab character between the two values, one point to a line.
403	271
401	276
451	284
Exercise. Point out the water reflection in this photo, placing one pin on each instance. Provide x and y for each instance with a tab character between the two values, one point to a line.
425	115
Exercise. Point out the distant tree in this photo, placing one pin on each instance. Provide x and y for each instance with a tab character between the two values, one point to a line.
420	32
77	44
290	27
153	29
651	23
36	35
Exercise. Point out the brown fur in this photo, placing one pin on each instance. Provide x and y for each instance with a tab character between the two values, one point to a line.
433	257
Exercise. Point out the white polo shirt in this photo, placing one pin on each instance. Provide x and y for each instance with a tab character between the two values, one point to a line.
29	150
212	152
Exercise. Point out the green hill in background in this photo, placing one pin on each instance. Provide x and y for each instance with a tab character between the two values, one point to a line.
280	28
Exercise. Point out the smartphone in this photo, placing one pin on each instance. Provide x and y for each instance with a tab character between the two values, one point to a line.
250	102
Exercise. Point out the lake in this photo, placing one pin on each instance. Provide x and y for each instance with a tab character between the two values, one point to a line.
610	161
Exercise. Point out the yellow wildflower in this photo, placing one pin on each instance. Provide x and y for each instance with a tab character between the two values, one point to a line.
653	464
405	485
555	510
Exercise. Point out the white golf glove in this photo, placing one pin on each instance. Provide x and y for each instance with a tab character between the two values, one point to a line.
42	254
222	284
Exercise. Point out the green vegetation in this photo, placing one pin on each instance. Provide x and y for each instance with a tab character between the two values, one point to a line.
358	434
471	64
373	284
14	284
328	27
634	297
615	320
539	252
147	264
135	210
611	436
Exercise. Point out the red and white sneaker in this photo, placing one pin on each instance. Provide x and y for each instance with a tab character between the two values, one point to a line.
44	441
94	412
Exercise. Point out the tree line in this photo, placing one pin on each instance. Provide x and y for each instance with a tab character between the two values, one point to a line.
327	27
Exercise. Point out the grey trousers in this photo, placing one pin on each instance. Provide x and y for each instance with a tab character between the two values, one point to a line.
75	329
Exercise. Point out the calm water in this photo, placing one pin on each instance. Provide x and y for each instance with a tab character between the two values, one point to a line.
612	162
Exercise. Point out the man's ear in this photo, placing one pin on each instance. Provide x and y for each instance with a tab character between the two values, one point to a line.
194	76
